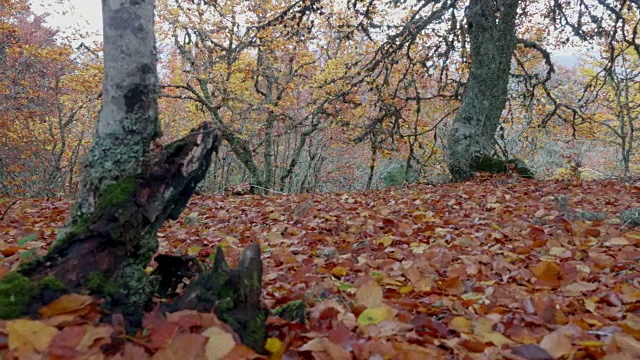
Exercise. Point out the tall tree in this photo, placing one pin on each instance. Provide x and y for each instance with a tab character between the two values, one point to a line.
488	41
492	38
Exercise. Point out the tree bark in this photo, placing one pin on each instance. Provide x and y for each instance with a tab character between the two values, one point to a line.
492	43
128	119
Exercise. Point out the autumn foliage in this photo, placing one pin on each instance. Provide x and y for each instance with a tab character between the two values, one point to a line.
495	267
48	103
310	103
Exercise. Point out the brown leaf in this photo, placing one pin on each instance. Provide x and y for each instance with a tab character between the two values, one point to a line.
369	295
547	273
557	343
532	352
334	350
184	347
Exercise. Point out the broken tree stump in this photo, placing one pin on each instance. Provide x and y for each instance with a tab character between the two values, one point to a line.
233	294
106	254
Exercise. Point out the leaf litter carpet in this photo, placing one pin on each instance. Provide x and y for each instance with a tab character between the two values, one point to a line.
493	268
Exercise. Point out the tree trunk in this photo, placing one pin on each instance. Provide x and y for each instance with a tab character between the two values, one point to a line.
128	119
268	181
128	191
372	161
492	42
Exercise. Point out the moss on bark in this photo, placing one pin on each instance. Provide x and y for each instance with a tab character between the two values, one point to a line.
491	164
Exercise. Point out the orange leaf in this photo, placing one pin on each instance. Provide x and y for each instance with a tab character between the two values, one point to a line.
65	304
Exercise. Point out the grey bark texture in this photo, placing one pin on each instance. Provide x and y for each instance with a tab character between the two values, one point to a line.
128	119
491	27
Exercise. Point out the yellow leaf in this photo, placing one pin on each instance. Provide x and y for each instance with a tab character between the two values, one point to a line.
391	282
633	235
385	241
405	289
461	324
590	304
556	250
339	271
30	334
194	250
495	338
472	296
220	343
375	315
423	216
591	343
418	248
230	240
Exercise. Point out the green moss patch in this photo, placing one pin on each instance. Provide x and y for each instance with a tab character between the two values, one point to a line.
16	292
99	285
117	194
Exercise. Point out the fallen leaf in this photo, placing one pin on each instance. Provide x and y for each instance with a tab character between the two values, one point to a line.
547	273
65	304
375	315
220	343
184	347
369	294
31	334
274	346
339	271
532	352
581	287
617	241
384	241
624	344
557	344
461	324
334	351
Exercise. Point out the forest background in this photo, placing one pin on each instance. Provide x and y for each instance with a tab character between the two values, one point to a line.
321	110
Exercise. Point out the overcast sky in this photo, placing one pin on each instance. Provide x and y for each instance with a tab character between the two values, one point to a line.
82	14
87	15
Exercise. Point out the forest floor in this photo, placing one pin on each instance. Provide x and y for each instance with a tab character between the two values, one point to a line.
493	268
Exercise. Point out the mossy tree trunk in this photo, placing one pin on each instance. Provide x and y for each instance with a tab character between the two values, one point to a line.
128	120
491	27
127	125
